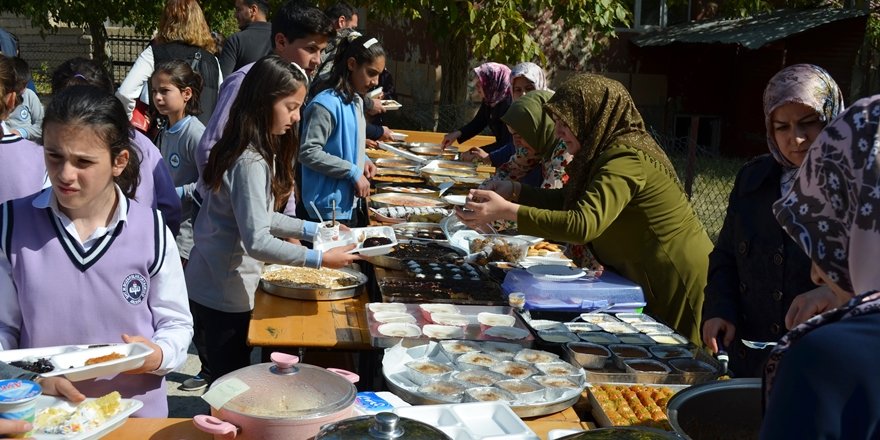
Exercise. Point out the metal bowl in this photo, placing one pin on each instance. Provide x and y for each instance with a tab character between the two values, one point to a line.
317	293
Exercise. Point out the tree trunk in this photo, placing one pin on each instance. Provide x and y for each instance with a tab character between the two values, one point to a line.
453	82
99	46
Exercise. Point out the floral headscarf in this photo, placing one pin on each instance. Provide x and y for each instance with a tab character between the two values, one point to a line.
601	114
804	84
494	80
833	210
833	213
531	72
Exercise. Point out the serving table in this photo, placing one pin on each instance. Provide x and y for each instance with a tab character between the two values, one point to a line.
436	138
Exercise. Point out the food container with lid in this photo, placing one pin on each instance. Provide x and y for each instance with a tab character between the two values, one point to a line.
587	355
18	398
382	426
279	400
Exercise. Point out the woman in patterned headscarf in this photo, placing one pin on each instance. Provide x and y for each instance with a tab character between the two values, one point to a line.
757	275
623	197
819	381
493	85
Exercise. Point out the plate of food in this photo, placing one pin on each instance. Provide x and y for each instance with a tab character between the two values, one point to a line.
556	272
79	362
390	104
91	419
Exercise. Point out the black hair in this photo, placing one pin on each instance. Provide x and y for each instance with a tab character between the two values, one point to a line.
99	111
341	9
81	71
250	122
262	5
296	19
352	47
182	76
22	74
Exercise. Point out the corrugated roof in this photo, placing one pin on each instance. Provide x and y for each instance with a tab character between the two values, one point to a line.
751	32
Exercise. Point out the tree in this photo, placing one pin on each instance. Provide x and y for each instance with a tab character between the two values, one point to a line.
494	29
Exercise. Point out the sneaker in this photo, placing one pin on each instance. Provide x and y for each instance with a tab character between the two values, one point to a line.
194	383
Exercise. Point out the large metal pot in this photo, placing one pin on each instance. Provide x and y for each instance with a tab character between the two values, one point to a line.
719	410
283	400
382	426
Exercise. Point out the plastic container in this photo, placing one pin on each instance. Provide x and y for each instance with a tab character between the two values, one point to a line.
575	296
18	398
471	421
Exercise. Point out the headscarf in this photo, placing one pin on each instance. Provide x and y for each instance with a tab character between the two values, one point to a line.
833	210
804	84
833	213
531	72
528	118
494	80
601	114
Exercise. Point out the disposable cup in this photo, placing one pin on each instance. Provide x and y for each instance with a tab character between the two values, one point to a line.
327	232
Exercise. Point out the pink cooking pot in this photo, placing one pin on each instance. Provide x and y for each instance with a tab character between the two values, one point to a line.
285	400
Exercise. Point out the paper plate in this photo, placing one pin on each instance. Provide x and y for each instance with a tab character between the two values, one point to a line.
555	272
458	200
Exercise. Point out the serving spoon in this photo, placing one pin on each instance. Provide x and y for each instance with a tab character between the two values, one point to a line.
757	345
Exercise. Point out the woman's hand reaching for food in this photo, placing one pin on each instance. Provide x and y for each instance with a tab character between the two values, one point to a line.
151	362
338	257
504	188
484	206
449	138
476	155
715	328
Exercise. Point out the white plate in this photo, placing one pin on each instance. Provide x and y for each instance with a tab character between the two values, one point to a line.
374	93
127	408
356	236
390	104
556	272
455	200
69	360
492	420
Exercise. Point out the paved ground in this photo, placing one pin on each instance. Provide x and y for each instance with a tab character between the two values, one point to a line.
190	403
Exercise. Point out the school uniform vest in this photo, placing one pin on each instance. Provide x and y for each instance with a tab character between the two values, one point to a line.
70	296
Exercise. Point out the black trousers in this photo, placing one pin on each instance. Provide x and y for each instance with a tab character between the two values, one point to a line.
220	339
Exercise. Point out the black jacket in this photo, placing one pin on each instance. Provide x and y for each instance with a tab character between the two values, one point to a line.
246	46
756	270
491	117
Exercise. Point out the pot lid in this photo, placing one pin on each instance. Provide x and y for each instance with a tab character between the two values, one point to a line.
285	388
385	426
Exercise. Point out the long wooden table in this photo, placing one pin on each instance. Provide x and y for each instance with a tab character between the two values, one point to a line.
436	138
180	429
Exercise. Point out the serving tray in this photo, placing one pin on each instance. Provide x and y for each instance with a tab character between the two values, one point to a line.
315	293
69	360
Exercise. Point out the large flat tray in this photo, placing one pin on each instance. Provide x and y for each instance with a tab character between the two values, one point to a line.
316	293
69	360
406	391
472	332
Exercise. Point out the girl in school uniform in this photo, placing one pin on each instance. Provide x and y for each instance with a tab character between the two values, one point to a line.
21	161
250	177
83	263
176	89
332	155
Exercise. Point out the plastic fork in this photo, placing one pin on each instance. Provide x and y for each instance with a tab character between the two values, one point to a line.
757	345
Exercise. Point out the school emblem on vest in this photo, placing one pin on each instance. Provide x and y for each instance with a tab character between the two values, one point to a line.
134	288
174	160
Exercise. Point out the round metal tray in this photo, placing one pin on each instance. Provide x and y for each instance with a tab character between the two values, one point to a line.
315	293
542	409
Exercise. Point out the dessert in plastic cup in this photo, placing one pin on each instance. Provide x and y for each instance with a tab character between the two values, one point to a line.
18	398
328	232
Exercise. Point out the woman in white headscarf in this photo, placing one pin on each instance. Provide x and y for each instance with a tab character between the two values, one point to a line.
819	381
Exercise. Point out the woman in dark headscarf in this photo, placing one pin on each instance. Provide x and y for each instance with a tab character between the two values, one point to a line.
819	381
622	197
493	85
759	279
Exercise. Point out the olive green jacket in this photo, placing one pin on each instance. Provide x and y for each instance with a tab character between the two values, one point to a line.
638	222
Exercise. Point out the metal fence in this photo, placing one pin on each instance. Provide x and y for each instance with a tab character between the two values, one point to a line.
124	48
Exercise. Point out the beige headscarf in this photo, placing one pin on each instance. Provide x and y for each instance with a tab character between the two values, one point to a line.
600	113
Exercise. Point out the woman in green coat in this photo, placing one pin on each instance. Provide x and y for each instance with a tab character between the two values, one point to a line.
623	198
